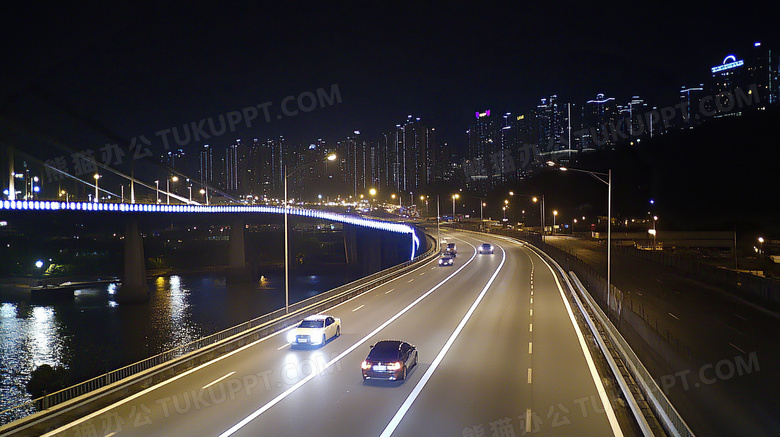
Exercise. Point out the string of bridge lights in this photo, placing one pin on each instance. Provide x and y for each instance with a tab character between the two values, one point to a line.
44	205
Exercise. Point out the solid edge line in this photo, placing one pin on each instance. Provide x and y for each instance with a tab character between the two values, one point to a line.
613	423
399	415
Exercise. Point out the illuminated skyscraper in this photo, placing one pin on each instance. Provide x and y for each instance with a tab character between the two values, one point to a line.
600	115
206	171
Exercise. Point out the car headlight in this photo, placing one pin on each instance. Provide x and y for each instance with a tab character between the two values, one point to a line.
291	336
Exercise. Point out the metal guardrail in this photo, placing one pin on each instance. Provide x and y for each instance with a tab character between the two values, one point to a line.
670	419
668	416
278	319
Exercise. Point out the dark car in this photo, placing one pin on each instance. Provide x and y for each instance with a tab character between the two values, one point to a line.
486	248
451	250
389	360
446	261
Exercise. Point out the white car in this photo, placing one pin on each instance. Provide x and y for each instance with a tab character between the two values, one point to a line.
315	331
486	248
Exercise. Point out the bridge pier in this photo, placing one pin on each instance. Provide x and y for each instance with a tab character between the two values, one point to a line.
134	288
371	253
238	270
350	244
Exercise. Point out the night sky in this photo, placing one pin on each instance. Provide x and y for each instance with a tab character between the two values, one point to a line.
133	69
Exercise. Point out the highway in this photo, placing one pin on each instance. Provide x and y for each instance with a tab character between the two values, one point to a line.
499	354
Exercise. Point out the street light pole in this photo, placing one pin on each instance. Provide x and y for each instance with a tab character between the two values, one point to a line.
157	189
438	216
596	175
97	176
286	251
330	157
454	196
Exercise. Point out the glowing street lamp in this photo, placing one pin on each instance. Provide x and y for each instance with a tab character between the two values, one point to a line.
205	193
555	214
97	176
454	196
168	188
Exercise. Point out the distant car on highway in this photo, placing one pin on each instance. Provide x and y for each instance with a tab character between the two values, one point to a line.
451	250
446	261
389	360
486	248
314	331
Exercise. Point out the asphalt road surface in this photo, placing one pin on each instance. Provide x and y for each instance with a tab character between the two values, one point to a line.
725	380
499	354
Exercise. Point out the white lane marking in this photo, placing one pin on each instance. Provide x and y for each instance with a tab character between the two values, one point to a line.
531	327
349	350
422	273
528	420
674	316
531	312
532	301
389	291
741	317
588	358
434	268
227	355
529	375
283	346
217	380
411	280
737	348
399	415
530	347
361	306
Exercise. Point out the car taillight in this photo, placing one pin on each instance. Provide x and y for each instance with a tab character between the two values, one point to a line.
365	365
394	366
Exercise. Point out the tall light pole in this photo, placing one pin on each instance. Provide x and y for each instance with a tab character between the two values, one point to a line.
454	196
555	214
761	249
438	217
205	193
168	188
97	176
157	189
189	188
608	182
330	157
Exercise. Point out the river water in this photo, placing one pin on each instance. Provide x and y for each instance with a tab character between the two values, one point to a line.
92	334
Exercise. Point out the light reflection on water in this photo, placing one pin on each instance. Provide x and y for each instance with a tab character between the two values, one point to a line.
93	334
29	337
